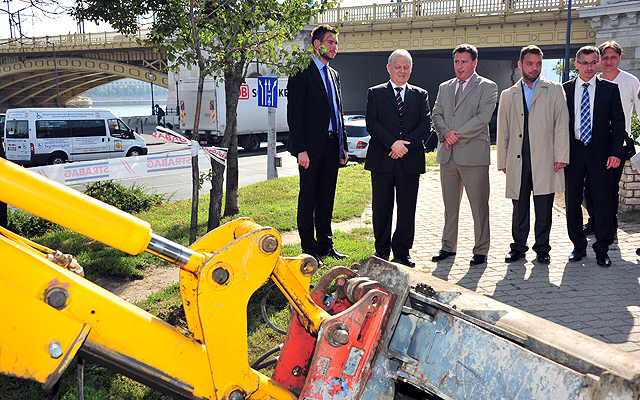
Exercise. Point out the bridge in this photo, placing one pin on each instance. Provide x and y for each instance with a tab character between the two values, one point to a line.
430	29
28	66
443	24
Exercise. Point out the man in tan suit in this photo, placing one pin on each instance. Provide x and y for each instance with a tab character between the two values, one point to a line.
461	115
533	147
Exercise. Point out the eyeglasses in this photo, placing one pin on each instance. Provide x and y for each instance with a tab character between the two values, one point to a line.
592	63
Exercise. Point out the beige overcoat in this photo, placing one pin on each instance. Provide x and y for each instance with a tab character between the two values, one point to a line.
548	136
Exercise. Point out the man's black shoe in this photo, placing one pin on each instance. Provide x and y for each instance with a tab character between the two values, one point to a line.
543	258
478	259
589	228
334	254
513	256
381	255
603	260
404	260
441	255
638	251
577	254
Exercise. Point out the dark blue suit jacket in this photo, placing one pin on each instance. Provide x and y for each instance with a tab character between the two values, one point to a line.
608	127
384	125
309	112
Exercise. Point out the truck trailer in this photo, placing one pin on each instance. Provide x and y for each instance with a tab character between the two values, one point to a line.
252	120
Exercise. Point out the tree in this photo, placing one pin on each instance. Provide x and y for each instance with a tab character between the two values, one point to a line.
559	68
221	38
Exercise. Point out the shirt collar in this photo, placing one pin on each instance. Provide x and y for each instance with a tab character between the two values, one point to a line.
319	63
526	87
404	87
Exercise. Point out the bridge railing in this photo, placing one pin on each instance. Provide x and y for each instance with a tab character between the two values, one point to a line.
73	40
428	9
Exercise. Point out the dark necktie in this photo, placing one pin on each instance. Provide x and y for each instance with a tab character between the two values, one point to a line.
399	100
334	121
585	115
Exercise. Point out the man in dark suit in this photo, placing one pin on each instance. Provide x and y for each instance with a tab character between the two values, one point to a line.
318	139
398	120
597	130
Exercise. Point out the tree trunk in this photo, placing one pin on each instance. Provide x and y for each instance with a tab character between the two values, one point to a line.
195	171
233	81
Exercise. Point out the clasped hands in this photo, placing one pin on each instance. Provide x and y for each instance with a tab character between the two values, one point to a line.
399	149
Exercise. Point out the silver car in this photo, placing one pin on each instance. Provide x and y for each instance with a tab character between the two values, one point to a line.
357	138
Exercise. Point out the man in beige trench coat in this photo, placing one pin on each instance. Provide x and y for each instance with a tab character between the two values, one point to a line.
533	147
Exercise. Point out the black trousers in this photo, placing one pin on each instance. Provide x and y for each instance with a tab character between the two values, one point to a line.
583	167
315	200
613	187
404	187
520	224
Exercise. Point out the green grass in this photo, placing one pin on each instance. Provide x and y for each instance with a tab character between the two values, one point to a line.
272	203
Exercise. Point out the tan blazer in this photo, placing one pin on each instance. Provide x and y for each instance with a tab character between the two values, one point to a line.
470	116
548	136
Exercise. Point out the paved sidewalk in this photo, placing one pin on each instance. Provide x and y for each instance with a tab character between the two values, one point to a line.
603	303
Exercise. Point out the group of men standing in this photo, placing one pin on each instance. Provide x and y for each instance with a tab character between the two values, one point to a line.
578	135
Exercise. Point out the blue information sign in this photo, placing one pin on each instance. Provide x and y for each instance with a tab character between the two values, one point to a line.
267	91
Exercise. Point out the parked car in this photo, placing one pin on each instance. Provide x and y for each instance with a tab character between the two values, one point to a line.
357	137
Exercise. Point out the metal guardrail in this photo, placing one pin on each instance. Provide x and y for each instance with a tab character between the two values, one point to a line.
432	9
73	39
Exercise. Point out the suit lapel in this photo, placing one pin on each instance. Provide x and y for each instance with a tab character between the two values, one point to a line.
518	94
390	92
473	82
540	87
319	81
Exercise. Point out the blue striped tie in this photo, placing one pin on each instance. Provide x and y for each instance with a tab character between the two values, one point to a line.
585	116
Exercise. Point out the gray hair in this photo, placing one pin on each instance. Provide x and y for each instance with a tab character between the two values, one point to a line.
399	52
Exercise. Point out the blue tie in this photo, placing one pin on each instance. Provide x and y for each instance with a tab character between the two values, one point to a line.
334	121
585	116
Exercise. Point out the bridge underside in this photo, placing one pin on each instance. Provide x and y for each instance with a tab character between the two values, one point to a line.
29	80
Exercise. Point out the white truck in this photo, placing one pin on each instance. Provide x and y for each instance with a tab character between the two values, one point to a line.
252	120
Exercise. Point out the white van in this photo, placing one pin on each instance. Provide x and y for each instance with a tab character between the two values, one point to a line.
39	136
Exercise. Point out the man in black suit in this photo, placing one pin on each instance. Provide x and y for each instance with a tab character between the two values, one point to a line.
597	130
318	139
398	120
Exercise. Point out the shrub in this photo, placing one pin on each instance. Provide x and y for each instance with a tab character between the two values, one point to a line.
131	200
635	128
28	225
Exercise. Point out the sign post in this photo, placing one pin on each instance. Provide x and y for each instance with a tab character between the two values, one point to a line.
268	97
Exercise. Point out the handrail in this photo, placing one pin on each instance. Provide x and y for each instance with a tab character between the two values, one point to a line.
74	39
436	9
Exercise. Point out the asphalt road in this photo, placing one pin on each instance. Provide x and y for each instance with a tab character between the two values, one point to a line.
252	169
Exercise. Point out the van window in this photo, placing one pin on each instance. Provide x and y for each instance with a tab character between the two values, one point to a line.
52	129
17	129
82	128
119	129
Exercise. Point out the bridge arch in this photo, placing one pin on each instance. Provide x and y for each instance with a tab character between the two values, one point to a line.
32	82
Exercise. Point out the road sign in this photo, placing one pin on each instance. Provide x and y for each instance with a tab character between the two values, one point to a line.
267	91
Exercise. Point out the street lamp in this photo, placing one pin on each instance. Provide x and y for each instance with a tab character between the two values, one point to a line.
55	66
176	76
153	110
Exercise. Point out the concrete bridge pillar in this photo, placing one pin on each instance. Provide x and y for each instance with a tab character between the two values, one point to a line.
618	20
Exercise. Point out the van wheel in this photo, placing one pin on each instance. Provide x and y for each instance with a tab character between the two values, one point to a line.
134	152
252	143
57	158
